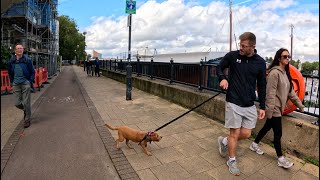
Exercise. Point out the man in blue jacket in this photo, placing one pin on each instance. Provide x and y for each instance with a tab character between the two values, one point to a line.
97	67
247	70
21	74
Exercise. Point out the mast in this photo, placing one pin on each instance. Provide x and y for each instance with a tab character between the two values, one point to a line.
291	43
230	33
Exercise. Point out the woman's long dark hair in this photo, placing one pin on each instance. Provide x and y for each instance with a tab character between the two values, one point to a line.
276	62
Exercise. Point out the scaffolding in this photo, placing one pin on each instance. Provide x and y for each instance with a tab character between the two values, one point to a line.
34	24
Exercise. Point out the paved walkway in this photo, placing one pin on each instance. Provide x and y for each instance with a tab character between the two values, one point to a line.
11	117
188	149
62	141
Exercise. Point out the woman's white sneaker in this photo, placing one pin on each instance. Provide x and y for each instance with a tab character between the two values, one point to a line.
285	163
255	147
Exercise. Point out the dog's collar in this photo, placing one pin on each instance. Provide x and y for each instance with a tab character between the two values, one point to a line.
146	138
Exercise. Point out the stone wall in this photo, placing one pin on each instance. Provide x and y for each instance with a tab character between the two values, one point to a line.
298	137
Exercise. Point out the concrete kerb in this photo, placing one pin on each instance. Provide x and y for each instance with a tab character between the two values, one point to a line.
120	162
18	132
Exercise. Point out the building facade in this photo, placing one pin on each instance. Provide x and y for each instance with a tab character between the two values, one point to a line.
34	24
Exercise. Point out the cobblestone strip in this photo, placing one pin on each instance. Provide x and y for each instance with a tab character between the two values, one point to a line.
10	145
18	132
118	158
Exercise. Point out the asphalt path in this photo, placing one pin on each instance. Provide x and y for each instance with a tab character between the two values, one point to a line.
62	141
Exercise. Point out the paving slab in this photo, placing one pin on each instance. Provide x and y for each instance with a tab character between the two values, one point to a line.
187	144
188	149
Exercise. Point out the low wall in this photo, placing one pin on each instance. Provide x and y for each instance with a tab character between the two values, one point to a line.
299	137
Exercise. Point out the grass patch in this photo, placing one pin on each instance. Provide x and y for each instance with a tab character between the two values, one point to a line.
311	160
253	136
272	145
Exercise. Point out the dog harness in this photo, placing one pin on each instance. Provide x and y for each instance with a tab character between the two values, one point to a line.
146	138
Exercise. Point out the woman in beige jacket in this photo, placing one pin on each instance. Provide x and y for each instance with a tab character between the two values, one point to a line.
279	90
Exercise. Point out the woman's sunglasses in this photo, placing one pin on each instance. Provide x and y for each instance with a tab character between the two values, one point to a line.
286	56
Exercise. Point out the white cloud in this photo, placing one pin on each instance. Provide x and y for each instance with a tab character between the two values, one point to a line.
276	4
174	26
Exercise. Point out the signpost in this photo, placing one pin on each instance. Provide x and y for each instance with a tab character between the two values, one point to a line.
130	9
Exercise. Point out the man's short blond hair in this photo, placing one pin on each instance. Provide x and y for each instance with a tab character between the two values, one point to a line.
248	36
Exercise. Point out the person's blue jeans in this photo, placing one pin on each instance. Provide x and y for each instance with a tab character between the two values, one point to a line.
22	93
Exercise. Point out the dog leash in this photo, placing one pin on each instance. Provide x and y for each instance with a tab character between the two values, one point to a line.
185	113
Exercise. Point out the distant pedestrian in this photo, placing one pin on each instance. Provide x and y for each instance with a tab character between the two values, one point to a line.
89	66
97	67
279	90
84	65
21	73
247	70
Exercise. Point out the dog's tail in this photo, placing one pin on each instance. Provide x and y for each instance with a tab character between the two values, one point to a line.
110	127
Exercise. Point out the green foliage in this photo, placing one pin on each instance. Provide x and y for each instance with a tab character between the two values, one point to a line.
311	104
309	67
295	63
5	55
71	41
312	160
269	59
253	135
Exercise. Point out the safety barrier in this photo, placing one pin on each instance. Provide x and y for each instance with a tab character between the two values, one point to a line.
5	82
38	78
44	75
41	76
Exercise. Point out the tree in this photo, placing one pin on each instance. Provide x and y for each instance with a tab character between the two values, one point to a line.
71	41
295	63
5	55
269	59
308	67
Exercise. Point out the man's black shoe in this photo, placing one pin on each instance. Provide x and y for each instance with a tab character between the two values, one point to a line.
27	124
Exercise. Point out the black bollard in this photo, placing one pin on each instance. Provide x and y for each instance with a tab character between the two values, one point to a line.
129	81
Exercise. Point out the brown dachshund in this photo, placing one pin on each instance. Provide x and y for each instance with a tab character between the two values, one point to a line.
127	133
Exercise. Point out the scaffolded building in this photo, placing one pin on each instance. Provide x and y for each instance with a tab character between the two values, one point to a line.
34	24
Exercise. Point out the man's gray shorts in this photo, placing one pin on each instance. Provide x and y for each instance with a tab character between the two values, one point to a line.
237	117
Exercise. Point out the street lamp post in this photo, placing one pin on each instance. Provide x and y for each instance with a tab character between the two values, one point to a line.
129	67
145	53
85	55
130	9
77	58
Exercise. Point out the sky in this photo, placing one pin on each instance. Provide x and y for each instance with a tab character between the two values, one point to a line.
179	26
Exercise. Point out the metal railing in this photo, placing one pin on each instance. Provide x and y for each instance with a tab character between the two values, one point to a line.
202	76
311	98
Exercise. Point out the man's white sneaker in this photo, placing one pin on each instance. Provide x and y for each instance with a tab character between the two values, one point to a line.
285	163
222	148
233	168
256	148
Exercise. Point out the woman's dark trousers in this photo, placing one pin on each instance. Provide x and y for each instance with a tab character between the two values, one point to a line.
276	125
